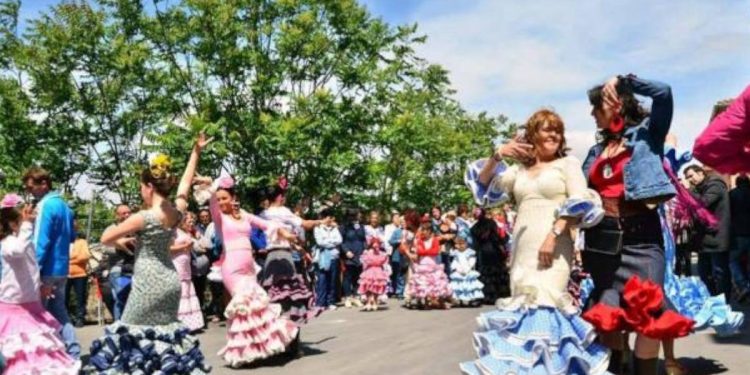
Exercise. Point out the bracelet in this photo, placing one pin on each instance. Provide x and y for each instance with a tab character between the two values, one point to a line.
496	157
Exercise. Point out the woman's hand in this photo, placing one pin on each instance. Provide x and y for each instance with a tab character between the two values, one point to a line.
546	252
610	99
126	244
516	149
202	180
201	142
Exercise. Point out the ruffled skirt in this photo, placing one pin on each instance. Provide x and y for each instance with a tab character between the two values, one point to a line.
374	280
288	288
428	282
190	308
130	349
467	288
30	343
535	340
690	297
255	328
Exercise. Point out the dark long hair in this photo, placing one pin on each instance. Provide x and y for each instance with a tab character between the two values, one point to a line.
632	112
8	215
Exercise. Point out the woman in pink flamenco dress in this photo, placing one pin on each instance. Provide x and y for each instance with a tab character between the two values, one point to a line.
373	282
428	284
725	144
189	312
29	339
255	328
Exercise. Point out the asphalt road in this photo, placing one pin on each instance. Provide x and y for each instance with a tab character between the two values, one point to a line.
408	342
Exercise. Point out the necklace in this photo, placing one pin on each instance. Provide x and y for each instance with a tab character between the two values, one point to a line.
608	171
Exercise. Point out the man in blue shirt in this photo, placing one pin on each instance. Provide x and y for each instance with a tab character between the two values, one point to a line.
53	234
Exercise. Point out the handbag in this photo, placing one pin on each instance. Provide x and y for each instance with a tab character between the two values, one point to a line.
605	238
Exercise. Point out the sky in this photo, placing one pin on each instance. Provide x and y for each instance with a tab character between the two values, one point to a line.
514	57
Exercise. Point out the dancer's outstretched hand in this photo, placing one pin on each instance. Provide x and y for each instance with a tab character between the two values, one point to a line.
517	149
201	142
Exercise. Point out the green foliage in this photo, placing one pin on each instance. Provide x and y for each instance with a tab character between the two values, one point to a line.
317	90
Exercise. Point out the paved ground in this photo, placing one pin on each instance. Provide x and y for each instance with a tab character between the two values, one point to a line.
400	341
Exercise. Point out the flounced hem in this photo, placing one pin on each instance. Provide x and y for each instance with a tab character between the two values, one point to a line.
255	332
129	348
521	338
643	301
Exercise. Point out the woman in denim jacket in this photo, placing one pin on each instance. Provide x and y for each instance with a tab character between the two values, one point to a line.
625	253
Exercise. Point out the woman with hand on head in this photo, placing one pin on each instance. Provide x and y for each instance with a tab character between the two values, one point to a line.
551	194
624	253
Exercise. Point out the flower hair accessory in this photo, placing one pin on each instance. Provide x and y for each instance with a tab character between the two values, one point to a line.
11	200
226	182
160	166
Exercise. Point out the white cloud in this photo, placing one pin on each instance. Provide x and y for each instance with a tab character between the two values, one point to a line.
514	57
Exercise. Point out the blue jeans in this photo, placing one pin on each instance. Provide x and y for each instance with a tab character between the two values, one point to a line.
740	247
713	269
398	278
325	287
56	307
120	292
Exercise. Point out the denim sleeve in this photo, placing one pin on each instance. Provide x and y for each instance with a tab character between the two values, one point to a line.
662	106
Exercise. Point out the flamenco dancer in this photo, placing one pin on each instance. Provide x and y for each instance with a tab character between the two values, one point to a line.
624	253
285	285
29	338
190	307
150	338
255	328
537	330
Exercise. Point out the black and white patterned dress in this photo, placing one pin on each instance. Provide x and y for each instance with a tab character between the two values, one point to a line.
149	337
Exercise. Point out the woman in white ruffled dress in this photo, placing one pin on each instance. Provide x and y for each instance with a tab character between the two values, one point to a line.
538	329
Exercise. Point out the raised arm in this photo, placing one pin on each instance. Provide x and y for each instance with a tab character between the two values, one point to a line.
183	189
662	106
24	243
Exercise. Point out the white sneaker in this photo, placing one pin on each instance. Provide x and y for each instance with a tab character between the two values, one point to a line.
332	308
357	302
348	303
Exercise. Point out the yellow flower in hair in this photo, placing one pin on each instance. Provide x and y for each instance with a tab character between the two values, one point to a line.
160	165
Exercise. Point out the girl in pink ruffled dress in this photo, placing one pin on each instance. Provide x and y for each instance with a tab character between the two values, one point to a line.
428	284
190	308
373	282
29	339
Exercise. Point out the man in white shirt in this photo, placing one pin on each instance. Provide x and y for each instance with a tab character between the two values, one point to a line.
326	259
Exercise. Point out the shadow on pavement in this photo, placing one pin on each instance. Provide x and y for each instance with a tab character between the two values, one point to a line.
701	366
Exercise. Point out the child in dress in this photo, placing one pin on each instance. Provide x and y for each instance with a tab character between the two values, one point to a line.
467	289
29	338
373	283
428	285
190	309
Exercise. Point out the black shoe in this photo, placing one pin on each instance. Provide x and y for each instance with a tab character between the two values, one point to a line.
78	324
